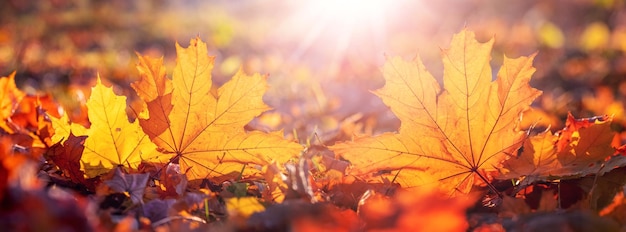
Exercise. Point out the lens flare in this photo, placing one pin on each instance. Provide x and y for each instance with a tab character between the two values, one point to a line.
337	28
351	12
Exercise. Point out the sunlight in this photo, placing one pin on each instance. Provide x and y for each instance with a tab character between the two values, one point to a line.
349	12
337	29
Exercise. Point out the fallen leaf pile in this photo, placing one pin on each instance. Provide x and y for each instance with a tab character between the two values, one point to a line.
187	160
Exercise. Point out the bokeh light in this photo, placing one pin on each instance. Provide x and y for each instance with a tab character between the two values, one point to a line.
313	50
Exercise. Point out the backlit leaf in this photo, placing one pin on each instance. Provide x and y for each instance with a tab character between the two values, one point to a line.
580	149
10	96
111	139
201	131
243	206
450	135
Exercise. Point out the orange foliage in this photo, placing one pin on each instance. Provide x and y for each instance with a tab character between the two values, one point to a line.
580	149
201	130
426	210
111	140
165	167
449	136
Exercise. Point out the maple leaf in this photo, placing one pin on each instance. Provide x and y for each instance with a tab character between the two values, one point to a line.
66	156
448	136
173	182
111	139
23	116
153	82
243	206
28	113
582	148
10	97
132	184
201	131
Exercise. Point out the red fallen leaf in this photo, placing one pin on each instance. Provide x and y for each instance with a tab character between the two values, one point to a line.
174	183
582	148
341	220
67	157
572	125
30	109
18	162
6	168
414	211
23	116
131	184
299	215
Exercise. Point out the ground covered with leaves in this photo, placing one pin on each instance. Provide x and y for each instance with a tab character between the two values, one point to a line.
209	143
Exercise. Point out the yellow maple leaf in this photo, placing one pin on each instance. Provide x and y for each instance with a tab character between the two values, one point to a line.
111	139
449	136
202	132
243	206
63	128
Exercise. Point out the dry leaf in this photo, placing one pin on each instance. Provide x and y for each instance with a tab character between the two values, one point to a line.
241	208
67	156
111	140
202	132
10	97
449	136
131	184
580	149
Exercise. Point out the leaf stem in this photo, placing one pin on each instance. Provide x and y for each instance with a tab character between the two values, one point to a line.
491	187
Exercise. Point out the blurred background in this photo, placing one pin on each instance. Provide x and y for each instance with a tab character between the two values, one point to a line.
323	57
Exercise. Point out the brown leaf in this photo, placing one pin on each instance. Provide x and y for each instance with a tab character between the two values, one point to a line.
131	184
174	182
67	156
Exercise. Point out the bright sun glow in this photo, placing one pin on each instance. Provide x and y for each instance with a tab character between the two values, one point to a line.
336	26
351	11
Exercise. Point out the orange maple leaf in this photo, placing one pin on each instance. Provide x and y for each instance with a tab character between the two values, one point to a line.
583	147
10	97
448	136
201	131
24	115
